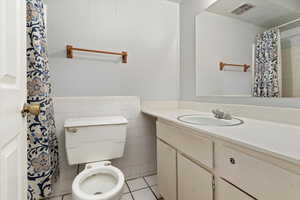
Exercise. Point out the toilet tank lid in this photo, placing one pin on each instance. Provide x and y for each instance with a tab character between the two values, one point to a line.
94	121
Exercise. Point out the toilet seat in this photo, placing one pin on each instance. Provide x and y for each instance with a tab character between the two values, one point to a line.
99	171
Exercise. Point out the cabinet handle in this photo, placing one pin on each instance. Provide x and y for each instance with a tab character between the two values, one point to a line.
232	161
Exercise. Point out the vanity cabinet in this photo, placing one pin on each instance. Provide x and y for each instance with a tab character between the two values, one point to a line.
194	166
166	171
180	174
191	143
194	182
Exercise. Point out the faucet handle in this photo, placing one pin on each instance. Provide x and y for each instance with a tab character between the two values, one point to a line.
217	111
219	114
227	116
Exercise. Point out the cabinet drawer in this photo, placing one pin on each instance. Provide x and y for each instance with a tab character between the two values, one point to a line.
188	142
226	191
258	178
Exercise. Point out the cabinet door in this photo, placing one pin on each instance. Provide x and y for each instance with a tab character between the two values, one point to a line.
194	182
166	171
226	191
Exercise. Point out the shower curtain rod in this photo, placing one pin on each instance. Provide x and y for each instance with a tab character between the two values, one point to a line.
286	24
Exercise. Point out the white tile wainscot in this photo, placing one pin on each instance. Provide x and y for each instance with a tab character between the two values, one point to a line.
139	158
255	160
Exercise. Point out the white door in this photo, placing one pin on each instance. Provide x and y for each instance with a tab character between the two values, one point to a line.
13	184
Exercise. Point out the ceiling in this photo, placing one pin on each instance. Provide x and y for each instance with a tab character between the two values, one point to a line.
266	13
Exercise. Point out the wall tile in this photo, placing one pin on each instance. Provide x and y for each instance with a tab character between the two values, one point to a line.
140	155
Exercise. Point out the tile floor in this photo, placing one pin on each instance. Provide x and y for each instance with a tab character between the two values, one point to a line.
144	188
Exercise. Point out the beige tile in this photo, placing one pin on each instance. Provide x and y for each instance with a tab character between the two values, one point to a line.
125	189
126	197
144	194
151	180
136	184
155	191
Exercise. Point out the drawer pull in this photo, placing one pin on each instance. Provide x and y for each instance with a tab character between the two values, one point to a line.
232	161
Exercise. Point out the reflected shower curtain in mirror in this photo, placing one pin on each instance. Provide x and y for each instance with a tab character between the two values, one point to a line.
42	152
267	68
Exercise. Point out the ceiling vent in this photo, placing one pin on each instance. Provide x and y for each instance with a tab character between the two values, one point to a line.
242	9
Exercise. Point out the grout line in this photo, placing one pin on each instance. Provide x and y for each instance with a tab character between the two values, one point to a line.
152	174
127	188
140	189
132	196
153	192
146	181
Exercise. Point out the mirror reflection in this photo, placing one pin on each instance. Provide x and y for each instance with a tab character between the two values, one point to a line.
249	48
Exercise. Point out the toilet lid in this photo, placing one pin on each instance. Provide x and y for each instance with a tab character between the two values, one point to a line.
99	183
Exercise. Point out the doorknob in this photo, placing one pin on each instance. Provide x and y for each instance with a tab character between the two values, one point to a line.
33	109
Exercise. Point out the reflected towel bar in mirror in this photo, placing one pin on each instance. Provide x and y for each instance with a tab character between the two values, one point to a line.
245	66
70	50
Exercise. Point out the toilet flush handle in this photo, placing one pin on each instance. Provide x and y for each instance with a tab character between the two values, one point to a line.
72	130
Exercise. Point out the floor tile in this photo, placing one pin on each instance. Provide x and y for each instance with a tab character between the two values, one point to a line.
144	194
136	184
126	189
54	198
126	197
155	191
67	197
151	180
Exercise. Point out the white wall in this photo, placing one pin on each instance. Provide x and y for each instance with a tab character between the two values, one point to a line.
188	11
148	30
140	150
291	62
223	39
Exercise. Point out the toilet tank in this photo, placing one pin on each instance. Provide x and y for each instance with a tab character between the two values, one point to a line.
95	139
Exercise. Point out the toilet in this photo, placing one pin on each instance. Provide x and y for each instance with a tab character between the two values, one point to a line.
94	141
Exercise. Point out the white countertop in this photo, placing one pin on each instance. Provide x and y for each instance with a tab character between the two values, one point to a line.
279	140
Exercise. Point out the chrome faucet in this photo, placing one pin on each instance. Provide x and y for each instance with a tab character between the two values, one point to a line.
221	115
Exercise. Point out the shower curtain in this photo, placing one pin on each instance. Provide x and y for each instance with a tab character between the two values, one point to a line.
267	68
42	152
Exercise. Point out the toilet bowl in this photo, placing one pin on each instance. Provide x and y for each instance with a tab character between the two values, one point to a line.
98	181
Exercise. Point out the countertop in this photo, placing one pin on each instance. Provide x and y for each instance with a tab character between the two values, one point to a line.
279	140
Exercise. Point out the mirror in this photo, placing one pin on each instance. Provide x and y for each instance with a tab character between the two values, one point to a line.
249	48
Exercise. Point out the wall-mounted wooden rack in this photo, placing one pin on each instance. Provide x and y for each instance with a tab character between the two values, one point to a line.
70	50
245	66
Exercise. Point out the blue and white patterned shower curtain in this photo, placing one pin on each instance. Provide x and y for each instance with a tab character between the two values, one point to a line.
42	153
267	68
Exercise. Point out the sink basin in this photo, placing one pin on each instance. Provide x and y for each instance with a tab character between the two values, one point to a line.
207	120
